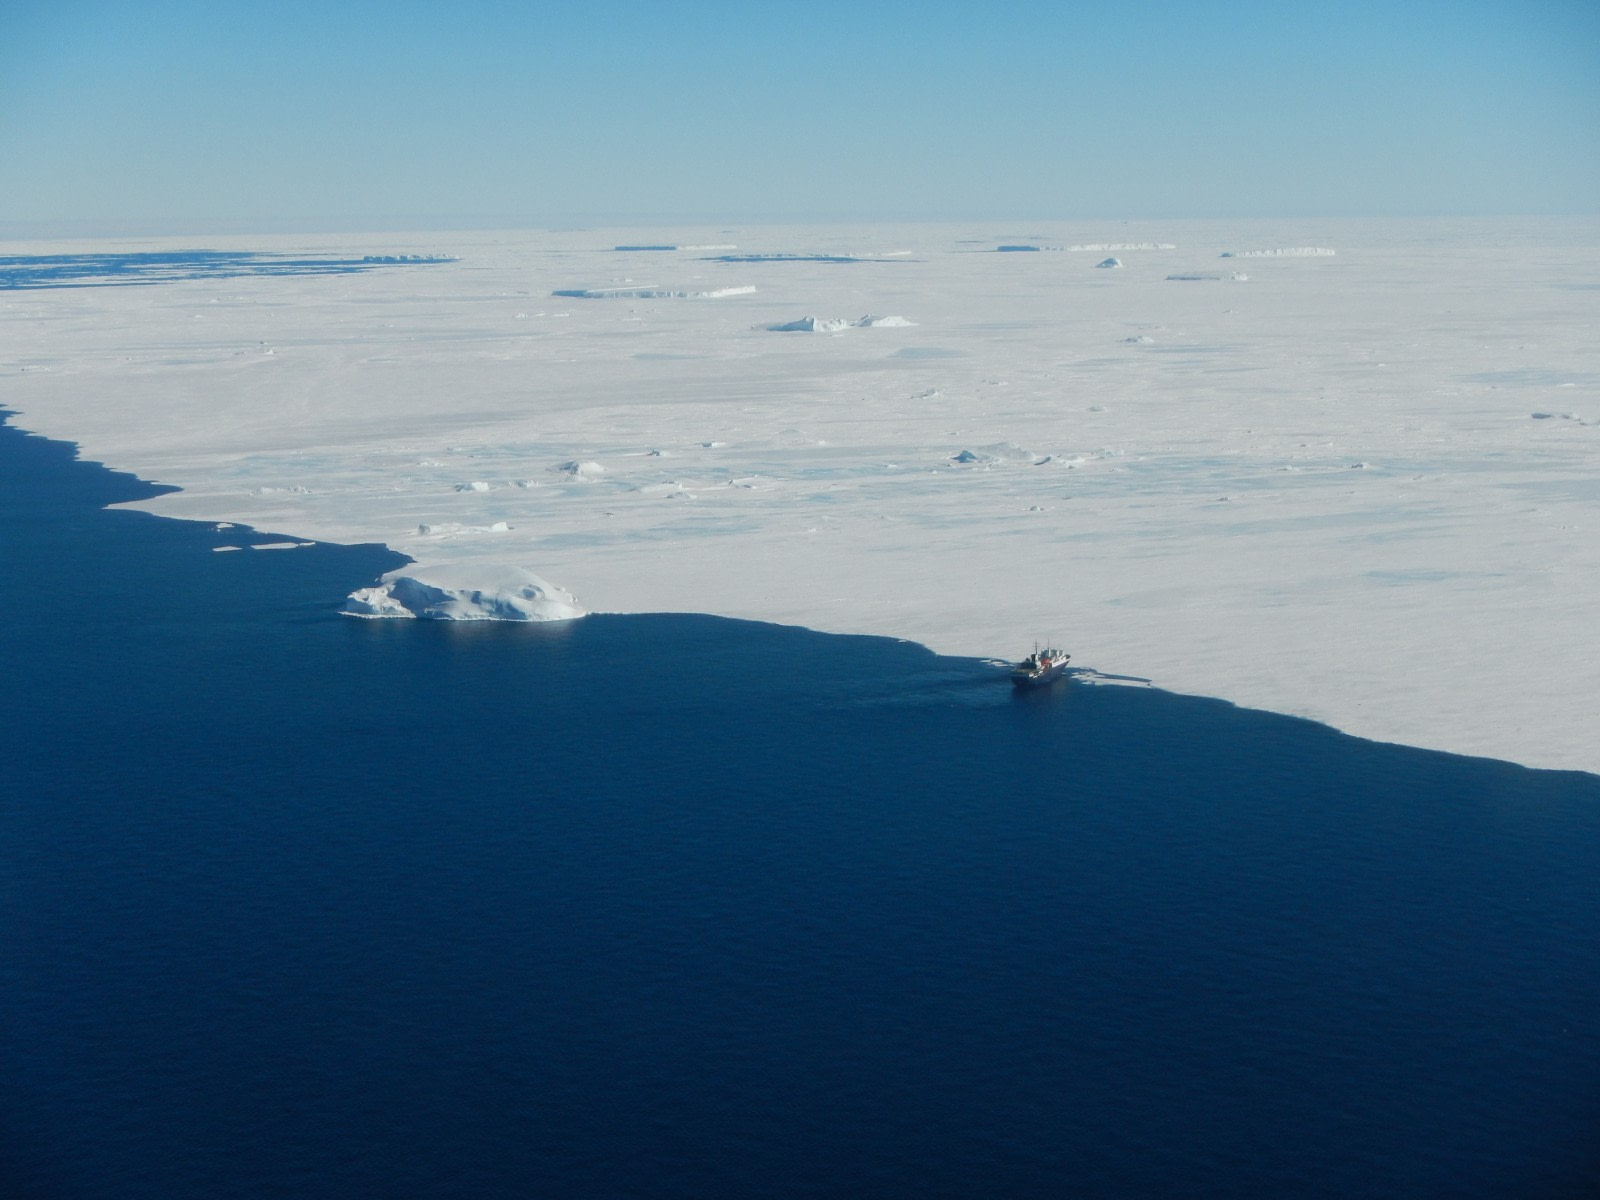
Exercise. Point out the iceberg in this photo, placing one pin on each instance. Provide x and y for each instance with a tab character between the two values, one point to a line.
476	593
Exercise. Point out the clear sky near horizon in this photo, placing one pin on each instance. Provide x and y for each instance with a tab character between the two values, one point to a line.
172	116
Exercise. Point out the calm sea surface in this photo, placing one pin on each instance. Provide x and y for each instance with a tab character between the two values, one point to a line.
676	907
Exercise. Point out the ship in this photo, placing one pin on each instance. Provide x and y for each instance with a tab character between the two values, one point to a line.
1041	667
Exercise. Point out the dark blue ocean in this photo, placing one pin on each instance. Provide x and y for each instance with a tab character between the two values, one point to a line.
300	906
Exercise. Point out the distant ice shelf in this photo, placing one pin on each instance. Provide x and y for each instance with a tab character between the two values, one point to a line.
1285	252
1092	247
652	293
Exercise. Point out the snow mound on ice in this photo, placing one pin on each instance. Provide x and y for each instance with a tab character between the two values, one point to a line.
812	325
998	452
670	490
582	470
1110	262
835	324
1284	252
455	529
463	593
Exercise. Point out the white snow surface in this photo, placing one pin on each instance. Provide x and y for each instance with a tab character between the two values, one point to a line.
1350	491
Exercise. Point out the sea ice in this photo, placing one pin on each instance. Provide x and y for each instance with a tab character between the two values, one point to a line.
1160	533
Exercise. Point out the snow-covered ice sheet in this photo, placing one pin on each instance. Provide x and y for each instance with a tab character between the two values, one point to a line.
1361	487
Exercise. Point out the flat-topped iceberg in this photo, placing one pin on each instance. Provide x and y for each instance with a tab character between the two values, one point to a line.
464	593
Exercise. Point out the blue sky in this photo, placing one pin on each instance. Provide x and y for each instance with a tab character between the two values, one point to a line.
117	116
